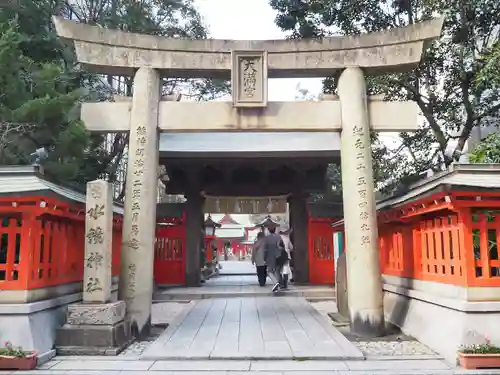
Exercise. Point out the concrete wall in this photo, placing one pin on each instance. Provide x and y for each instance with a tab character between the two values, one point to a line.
32	323
40	294
443	316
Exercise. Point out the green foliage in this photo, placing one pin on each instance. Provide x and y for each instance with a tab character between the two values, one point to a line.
12	351
487	151
484	348
36	99
447	86
480	349
489	75
43	86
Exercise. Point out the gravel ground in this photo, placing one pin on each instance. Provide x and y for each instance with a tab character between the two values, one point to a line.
162	314
394	348
395	345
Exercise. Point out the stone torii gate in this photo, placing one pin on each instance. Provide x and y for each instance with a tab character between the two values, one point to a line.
250	64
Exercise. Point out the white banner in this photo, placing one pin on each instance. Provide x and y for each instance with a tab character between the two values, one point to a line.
246	205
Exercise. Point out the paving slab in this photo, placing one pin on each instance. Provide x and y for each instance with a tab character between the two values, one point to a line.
101	366
83	364
251	328
308	366
201	366
250	372
431	364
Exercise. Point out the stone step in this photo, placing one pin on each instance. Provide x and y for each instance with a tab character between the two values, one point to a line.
123	365
331	297
313	295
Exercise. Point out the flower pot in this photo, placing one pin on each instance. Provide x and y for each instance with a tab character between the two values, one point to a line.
18	363
477	361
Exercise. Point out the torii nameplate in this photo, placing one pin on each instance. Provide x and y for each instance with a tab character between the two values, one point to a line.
249	78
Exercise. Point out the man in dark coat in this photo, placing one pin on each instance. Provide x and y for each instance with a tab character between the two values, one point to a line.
274	249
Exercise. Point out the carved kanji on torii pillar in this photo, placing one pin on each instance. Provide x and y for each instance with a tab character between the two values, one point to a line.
250	64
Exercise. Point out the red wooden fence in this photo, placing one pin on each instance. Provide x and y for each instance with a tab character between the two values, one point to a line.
42	242
448	238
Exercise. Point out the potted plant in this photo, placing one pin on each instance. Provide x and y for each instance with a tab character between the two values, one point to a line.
16	358
479	356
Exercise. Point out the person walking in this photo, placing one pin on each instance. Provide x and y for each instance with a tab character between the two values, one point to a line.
274	252
286	270
258	259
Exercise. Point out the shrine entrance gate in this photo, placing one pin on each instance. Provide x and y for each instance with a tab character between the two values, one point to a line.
352	113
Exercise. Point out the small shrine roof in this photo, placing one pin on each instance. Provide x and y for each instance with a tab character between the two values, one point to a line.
484	176
268	222
227	219
476	176
26	180
242	220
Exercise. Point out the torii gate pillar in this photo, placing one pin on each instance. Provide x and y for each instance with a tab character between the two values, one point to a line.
364	284
137	256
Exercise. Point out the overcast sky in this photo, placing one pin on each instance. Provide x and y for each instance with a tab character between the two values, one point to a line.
251	19
254	19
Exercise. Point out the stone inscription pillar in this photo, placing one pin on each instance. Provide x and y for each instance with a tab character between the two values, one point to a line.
364	282
98	243
139	224
97	326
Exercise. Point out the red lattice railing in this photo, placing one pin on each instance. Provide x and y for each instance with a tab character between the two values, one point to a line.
42	243
450	238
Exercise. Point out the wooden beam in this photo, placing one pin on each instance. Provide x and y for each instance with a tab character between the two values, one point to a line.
218	116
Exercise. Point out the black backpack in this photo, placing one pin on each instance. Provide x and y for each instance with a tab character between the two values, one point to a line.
283	257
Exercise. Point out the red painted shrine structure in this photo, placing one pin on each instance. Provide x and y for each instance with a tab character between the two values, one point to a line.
447	235
234	235
443	231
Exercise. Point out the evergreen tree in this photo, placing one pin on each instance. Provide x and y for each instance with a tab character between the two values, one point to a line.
487	151
38	104
447	86
42	84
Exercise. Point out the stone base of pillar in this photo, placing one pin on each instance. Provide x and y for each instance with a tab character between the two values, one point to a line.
366	327
94	329
193	279
142	334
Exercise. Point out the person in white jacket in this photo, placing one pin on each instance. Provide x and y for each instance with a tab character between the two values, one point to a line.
286	270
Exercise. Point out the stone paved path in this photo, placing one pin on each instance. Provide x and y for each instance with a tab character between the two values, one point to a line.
251	328
244	329
131	366
228	286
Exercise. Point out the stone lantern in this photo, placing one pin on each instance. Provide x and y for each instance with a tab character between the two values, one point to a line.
210	227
